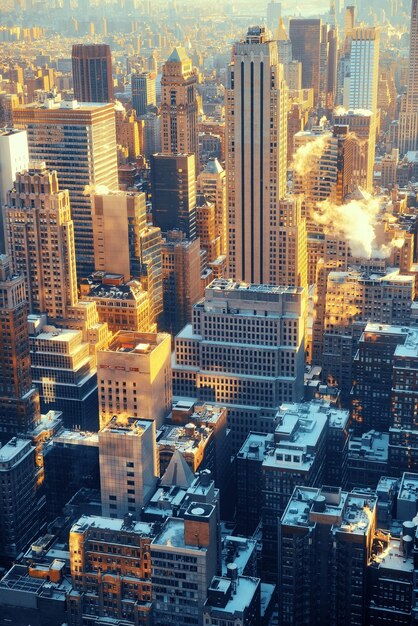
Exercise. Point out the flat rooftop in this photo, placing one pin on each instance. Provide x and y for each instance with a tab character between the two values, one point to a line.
240	600
14	448
408	489
371	446
107	523
229	285
136	343
130	426
172	536
346	512
180	437
393	558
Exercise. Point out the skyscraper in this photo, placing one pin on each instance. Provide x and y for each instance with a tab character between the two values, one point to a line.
181	280
256	160
128	466
292	250
408	117
360	86
143	92
40	241
14	157
179	108
134	376
19	401
174	193
362	125
244	350
79	142
305	35
212	183
92	73
125	244
19	516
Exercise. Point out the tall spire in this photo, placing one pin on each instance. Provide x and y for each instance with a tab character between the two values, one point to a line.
281	33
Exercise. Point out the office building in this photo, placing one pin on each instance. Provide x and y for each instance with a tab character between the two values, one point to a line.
298	453
92	73
354	298
128	466
408	116
367	459
179	592
134	377
127	134
143	92
244	350
19	519
38	591
305	35
150	134
325	544
110	570
40	241
361	124
71	464
211	183
179	106
391	578
14	157
210	243
181	280
292	246
174	193
64	373
125	244
233	600
256	159
371	404
403	435
19	400
328	174
360	86
83	160
270	466
122	306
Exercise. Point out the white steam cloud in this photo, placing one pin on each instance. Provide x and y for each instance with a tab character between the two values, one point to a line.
357	223
307	155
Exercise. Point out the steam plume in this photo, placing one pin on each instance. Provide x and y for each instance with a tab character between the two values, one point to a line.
307	155
357	223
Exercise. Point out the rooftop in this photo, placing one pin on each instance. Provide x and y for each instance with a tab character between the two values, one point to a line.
408	489
239	600
131	426
371	446
15	447
184	438
393	558
128	291
345	512
106	523
136	343
229	285
172	536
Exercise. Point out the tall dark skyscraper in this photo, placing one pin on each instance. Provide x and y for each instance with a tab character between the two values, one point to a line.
305	35
92	73
174	193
